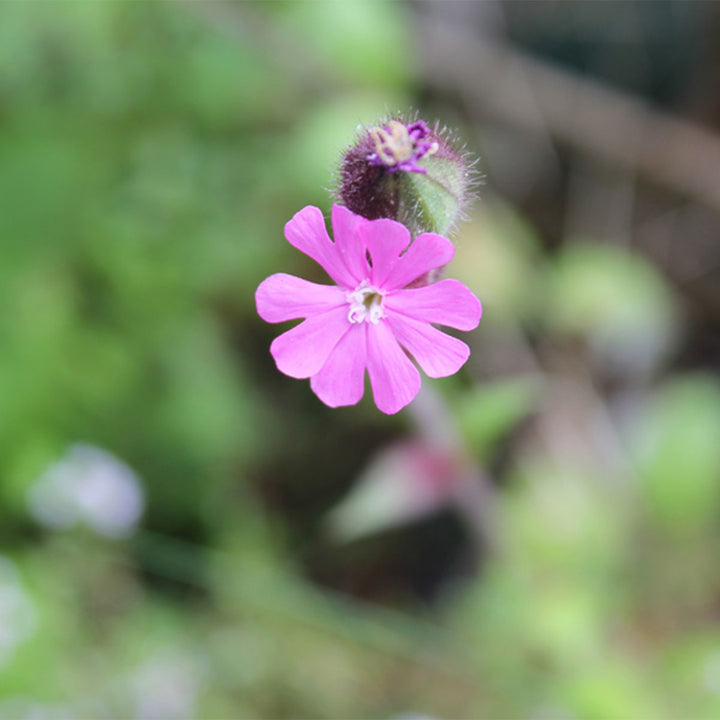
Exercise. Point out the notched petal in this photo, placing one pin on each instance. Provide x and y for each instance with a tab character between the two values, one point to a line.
447	302
427	252
395	381
346	225
437	353
341	380
286	297
385	240
306	232
302	351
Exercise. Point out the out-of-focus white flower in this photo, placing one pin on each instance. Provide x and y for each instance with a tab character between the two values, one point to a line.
17	612
88	485
165	687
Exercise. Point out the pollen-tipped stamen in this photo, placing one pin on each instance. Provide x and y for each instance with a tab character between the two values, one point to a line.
399	146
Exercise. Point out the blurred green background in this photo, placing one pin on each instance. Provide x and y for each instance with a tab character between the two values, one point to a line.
150	155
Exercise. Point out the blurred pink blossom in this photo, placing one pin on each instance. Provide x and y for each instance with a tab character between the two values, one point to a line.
403	483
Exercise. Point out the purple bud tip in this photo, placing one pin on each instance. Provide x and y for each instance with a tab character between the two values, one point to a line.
375	180
399	146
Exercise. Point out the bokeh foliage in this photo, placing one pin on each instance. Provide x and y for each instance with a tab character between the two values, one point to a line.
150	154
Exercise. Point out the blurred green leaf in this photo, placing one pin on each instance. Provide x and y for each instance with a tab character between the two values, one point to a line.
677	453
365	40
613	689
616	299
313	150
497	257
488	412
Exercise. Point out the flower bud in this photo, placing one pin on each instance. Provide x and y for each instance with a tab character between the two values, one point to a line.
407	172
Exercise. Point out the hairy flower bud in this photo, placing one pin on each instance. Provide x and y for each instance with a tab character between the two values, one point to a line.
407	172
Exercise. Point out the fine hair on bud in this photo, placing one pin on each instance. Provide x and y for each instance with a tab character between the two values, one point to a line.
407	171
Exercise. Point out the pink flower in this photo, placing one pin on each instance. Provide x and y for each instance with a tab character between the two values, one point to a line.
370	319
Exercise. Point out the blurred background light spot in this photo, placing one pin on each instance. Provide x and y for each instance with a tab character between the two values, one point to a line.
165	687
89	486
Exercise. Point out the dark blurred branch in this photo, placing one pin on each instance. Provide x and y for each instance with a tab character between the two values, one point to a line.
497	81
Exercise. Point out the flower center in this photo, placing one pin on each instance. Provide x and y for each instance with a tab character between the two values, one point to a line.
399	147
393	145
365	304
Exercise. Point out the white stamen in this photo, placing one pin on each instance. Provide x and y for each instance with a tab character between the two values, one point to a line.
365	304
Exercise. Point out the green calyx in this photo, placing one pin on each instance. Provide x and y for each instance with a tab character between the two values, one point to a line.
434	201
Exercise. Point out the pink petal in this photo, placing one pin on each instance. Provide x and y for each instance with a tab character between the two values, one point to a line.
352	249
438	354
302	351
306	231
394	379
385	239
341	381
428	251
286	297
447	302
